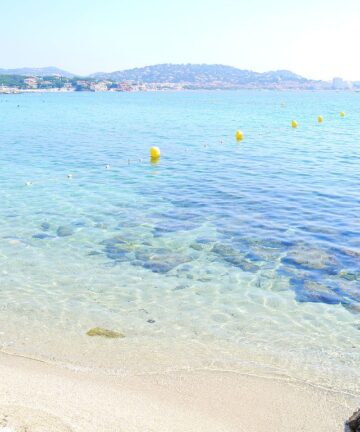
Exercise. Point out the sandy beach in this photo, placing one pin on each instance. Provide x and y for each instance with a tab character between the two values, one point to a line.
36	397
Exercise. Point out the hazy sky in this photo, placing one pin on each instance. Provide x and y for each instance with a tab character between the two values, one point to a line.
315	38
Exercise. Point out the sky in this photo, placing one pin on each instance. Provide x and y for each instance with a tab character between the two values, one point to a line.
314	38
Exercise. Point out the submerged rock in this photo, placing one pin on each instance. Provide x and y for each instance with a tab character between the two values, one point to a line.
311	258
350	252
202	245
197	246
64	231
118	252
99	331
144	254
94	253
205	240
117	240
160	265
230	255
350	276
272	243
160	260
353	423
41	236
349	290
117	248
79	223
310	291
248	266
45	226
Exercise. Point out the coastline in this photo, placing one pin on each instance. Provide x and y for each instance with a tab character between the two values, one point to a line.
35	393
158	88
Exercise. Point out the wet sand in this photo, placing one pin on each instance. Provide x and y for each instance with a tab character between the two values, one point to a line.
40	397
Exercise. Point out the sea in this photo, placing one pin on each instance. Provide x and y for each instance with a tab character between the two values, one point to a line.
221	255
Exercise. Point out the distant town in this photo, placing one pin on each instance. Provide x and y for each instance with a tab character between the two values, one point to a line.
166	77
34	84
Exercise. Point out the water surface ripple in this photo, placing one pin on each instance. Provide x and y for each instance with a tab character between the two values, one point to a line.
220	246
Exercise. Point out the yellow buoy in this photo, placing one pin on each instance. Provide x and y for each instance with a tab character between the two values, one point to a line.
342	114
239	135
155	153
294	124
320	119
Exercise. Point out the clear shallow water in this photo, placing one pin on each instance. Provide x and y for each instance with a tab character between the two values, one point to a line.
219	248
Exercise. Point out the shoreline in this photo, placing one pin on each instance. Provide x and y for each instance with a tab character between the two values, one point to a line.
33	391
175	90
155	353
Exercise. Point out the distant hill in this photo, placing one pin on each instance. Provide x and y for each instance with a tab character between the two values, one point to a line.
202	74
40	72
176	76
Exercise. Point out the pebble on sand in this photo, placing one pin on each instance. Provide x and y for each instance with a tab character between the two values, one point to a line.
99	331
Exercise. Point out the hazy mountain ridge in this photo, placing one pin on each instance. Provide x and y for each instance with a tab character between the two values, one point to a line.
43	71
170	76
199	73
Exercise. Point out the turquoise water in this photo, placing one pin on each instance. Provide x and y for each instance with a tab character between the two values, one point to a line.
238	246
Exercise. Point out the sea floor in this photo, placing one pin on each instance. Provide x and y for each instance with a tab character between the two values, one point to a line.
222	256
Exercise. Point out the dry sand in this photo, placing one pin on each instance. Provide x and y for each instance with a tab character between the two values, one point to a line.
41	397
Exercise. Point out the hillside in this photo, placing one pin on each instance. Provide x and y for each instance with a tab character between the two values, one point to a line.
40	72
203	74
167	77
